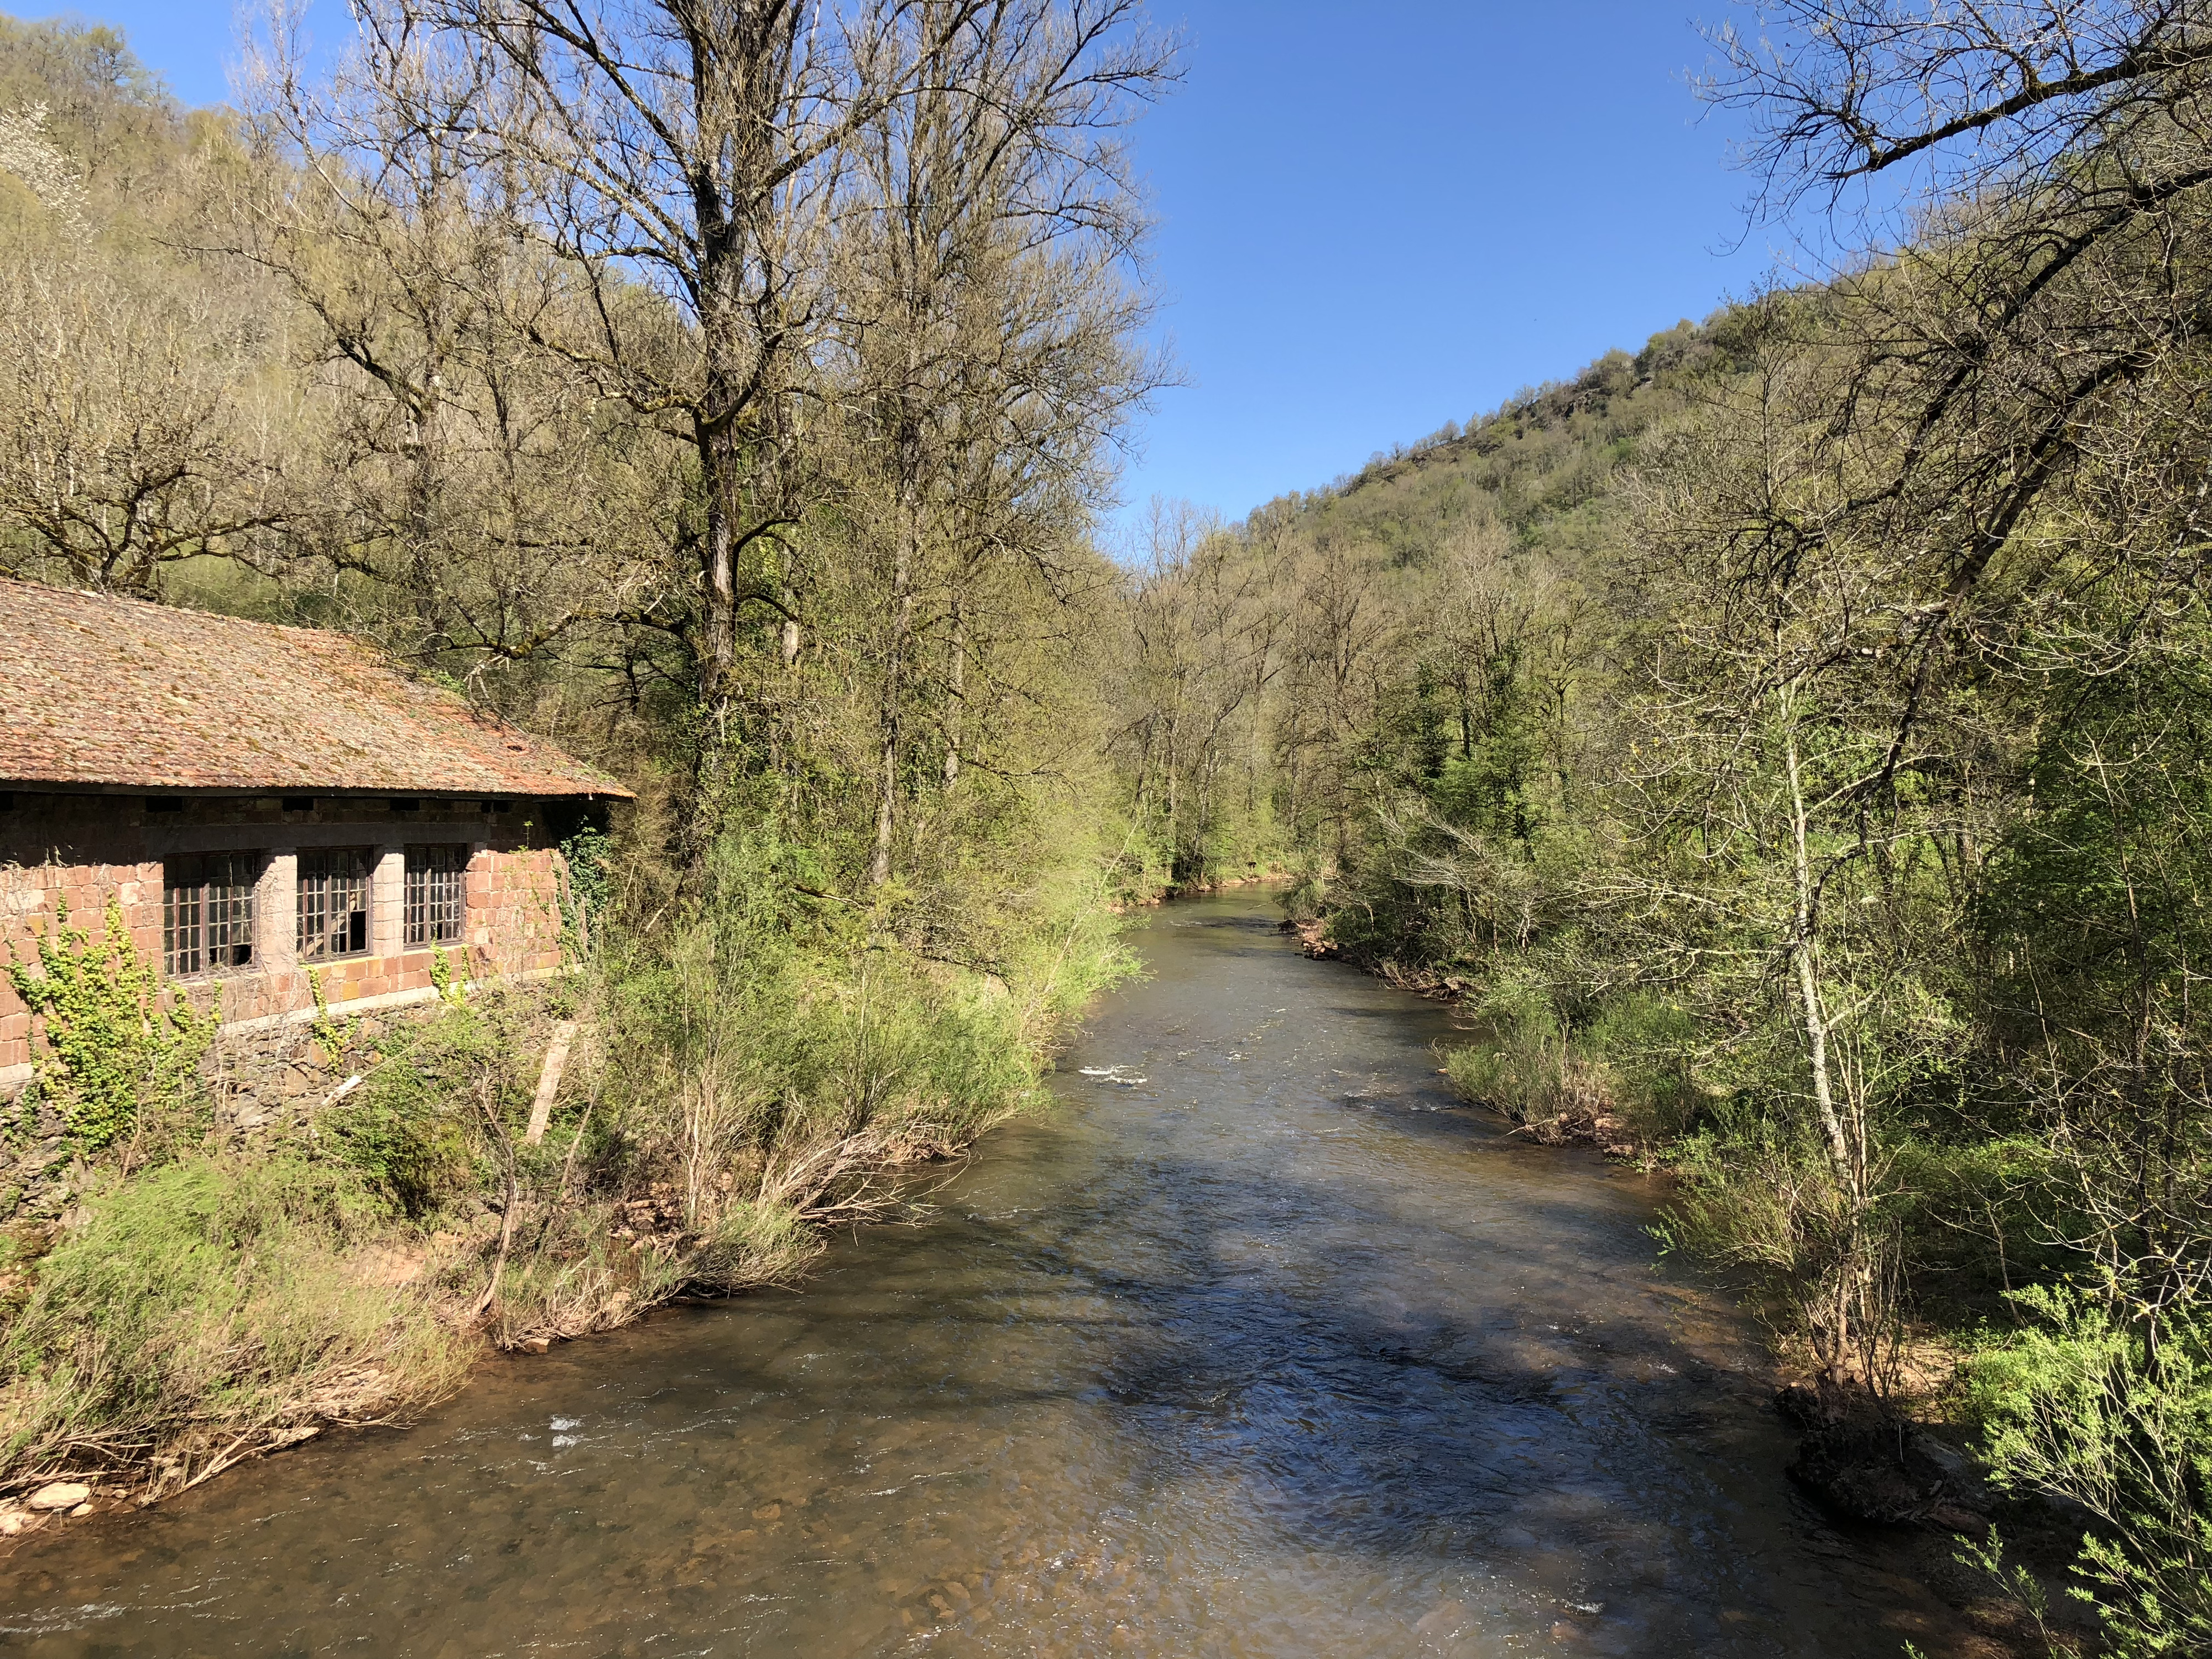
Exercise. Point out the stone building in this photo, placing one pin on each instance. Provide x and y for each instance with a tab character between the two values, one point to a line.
266	804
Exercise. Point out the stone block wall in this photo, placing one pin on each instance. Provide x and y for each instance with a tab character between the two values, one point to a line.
264	1081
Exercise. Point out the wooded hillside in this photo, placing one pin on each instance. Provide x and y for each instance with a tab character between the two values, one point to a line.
1791	742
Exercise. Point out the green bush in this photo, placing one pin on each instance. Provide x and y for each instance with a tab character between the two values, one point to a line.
1984	1216
1526	1066
113	1051
2081	1405
415	1129
208	1302
410	1147
1646	1044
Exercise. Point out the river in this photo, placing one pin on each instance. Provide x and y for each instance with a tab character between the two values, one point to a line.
1269	1349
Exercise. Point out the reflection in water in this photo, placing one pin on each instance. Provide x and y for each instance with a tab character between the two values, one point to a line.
1275	1352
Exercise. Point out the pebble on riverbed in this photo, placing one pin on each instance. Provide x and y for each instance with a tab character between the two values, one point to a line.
72	1497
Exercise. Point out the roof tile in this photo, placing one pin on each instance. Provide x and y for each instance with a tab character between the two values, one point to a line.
101	690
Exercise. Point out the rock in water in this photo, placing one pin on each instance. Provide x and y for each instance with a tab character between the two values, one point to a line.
59	1494
1870	1465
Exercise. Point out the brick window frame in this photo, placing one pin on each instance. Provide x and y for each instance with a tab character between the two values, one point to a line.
335	905
207	912
435	894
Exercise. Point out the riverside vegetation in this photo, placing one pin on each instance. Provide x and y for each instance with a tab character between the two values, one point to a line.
731	404
1789	741
1786	741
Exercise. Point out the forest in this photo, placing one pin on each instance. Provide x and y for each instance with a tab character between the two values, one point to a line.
731	408
1786	742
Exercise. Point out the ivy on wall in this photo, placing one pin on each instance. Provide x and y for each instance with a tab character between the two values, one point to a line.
111	1050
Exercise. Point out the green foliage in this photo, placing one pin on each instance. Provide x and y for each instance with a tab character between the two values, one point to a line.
1649	1045
207	1305
113	1051
772	1024
331	1037
1624	1076
1521	1066
586	856
412	1152
2081	1404
574	1273
415	1129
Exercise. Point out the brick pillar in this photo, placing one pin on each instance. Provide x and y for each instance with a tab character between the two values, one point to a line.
387	897
479	890
276	913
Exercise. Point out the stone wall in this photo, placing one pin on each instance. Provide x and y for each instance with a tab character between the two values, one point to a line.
264	1082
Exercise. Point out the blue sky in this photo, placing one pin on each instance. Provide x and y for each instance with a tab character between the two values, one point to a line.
1376	218
1373	217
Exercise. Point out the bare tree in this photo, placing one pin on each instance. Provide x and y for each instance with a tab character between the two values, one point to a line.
138	425
979	309
502	509
684	162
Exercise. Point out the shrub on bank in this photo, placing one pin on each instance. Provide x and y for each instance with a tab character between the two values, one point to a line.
1622	1080
757	1064
2078	1404
208	1307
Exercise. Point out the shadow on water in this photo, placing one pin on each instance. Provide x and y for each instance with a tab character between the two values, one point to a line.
1275	1352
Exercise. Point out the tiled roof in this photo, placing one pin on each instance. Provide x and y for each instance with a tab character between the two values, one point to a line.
96	689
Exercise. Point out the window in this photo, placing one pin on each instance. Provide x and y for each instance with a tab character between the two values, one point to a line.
437	890
333	903
207	912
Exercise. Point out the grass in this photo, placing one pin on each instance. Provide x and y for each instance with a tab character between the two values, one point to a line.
208	1311
1621	1079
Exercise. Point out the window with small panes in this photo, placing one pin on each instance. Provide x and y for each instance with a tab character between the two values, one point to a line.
334	907
436	893
207	912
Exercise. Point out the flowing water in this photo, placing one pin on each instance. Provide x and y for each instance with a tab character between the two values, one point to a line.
1267	1349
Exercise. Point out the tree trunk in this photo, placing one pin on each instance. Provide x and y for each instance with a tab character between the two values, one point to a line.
718	570
903	560
1805	962
958	685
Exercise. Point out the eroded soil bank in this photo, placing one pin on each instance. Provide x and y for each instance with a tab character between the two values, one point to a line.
1264	1344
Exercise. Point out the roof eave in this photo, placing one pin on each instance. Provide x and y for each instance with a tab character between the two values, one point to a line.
323	792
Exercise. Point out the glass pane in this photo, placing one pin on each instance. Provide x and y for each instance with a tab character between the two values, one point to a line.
207	912
333	908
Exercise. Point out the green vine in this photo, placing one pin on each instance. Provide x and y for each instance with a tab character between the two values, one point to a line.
583	897
111	1050
451	990
332	1038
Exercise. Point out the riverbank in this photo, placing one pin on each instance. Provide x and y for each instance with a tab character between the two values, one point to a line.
1908	1461
732	1094
1151	895
1268	1342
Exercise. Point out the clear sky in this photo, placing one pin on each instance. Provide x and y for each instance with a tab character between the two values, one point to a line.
1375	218
1375	215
